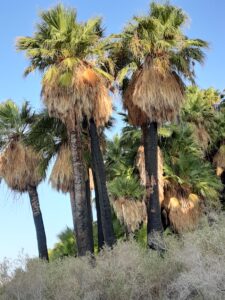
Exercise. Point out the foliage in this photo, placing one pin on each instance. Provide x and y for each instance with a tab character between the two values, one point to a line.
14	122
159	34
20	164
66	246
129	271
72	56
126	187
185	167
200	112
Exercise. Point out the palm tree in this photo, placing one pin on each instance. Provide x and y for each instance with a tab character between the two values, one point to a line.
190	182
157	57
48	136
200	113
74	88
20	164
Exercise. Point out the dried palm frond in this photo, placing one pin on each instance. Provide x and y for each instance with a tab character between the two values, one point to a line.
157	93
140	164
91	180
71	95
219	160
184	213
219	171
61	177
20	166
202	136
131	213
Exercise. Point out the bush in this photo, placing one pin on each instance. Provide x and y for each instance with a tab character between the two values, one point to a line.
192	268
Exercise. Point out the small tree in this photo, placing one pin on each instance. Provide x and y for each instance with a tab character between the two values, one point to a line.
20	164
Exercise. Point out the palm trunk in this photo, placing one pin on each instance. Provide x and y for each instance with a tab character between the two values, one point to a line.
84	243
38	222
90	216
99	221
72	202
154	225
99	170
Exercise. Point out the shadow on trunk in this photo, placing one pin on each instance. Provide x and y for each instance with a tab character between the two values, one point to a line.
100	177
154	222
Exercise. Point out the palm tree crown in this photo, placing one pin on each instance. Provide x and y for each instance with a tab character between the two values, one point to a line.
20	164
69	53
157	57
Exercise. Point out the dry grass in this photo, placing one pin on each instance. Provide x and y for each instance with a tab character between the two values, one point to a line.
85	94
19	166
192	268
131	213
157	94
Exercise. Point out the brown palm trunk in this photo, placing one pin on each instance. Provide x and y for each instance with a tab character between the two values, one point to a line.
154	224
99	220
99	170
84	243
38	222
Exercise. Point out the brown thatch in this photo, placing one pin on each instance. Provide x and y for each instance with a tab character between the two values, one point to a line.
202	136
219	160
140	164
20	166
131	213
153	95
85	95
61	177
184	213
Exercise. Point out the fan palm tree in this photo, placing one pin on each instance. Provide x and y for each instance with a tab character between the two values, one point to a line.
157	56
74	87
190	182
20	164
200	113
48	136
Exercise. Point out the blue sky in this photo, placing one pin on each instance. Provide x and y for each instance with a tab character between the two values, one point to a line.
18	18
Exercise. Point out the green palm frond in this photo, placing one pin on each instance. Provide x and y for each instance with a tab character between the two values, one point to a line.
60	40
46	136
14	122
158	35
185	166
126	187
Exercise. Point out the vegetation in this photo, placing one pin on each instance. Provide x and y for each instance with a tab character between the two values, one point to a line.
130	271
160	183
158	55
74	89
20	164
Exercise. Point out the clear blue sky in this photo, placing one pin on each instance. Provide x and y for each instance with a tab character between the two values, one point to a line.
17	18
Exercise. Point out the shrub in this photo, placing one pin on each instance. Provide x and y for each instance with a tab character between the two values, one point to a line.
192	268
